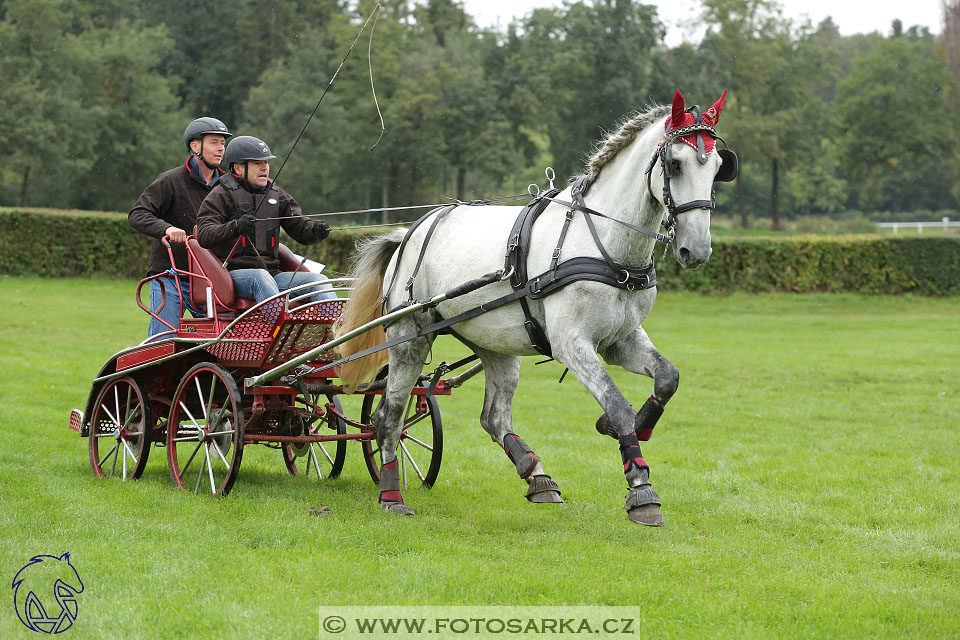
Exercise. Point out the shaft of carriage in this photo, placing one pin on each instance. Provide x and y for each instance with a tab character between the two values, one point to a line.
463	289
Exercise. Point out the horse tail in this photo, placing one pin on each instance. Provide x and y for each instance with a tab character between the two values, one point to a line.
365	305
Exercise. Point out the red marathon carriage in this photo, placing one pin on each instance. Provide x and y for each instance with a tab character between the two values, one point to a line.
188	391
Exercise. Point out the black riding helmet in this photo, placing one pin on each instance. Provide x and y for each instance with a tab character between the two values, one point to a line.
243	148
201	127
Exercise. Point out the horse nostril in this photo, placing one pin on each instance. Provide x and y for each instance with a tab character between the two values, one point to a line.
684	254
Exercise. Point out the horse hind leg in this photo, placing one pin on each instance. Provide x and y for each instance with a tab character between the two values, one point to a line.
406	364
502	373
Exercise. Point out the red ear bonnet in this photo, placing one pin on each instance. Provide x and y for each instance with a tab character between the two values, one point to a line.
680	118
712	115
676	118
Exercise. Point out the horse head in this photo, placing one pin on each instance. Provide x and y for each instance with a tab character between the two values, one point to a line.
690	165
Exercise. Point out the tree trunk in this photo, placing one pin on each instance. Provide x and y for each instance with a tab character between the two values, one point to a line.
869	192
23	186
775	196
461	183
742	203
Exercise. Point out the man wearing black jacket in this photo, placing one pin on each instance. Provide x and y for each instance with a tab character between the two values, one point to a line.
168	209
246	206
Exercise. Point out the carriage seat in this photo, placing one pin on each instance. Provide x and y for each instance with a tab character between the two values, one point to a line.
202	260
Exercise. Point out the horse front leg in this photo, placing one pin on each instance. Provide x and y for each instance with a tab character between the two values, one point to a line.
580	357
637	354
406	364
502	373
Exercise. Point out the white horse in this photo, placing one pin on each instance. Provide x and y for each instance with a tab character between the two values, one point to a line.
581	320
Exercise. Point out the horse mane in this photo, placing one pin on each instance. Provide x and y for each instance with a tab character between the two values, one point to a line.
614	142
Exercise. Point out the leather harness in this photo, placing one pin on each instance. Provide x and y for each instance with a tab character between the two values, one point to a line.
559	274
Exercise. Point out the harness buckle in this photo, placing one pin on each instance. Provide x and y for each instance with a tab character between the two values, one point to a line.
409	284
556	253
535	286
626	277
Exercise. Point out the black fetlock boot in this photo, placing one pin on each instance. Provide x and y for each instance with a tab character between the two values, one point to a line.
642	503
541	487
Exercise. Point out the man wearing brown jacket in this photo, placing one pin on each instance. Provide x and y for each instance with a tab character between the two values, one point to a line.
168	209
246	207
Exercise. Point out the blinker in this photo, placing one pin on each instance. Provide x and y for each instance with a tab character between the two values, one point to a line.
730	166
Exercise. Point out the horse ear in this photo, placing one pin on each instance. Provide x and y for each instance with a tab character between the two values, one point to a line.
712	115
676	117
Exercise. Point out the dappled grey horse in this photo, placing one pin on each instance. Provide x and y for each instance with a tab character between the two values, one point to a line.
588	251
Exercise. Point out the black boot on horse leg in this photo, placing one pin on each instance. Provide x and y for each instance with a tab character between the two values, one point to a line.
643	424
391	500
641	356
541	487
643	503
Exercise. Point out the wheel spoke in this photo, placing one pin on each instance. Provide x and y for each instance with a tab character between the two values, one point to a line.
183	469
116	423
220	453
126	419
190	415
412	461
196	489
409	422
316	465
213	385
419	442
326	455
109	453
203	407
113	468
116	400
213	486
124	459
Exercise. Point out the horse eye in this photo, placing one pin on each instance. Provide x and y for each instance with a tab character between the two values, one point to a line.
674	167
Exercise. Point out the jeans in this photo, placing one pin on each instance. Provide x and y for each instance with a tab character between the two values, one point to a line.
171	311
260	285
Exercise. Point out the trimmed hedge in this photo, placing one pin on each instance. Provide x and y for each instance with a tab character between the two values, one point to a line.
57	243
864	264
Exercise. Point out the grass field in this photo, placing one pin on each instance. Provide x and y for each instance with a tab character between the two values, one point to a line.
807	467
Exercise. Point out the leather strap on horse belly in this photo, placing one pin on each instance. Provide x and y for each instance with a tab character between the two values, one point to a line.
560	274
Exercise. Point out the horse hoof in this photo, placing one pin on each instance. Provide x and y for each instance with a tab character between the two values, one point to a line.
543	490
397	508
604	427
648	514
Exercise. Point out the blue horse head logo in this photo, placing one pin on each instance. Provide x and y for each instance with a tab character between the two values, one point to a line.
33	586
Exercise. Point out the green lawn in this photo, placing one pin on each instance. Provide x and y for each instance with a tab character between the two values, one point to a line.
807	467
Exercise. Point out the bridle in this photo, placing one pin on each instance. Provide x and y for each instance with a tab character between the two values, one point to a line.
664	153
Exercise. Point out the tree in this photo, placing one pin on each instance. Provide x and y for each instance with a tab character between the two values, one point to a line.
894	109
770	68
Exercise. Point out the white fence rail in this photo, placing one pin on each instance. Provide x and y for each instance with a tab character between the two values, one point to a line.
944	224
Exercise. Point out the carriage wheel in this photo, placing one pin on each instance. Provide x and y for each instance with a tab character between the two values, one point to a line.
319	457
120	430
421	442
205	431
